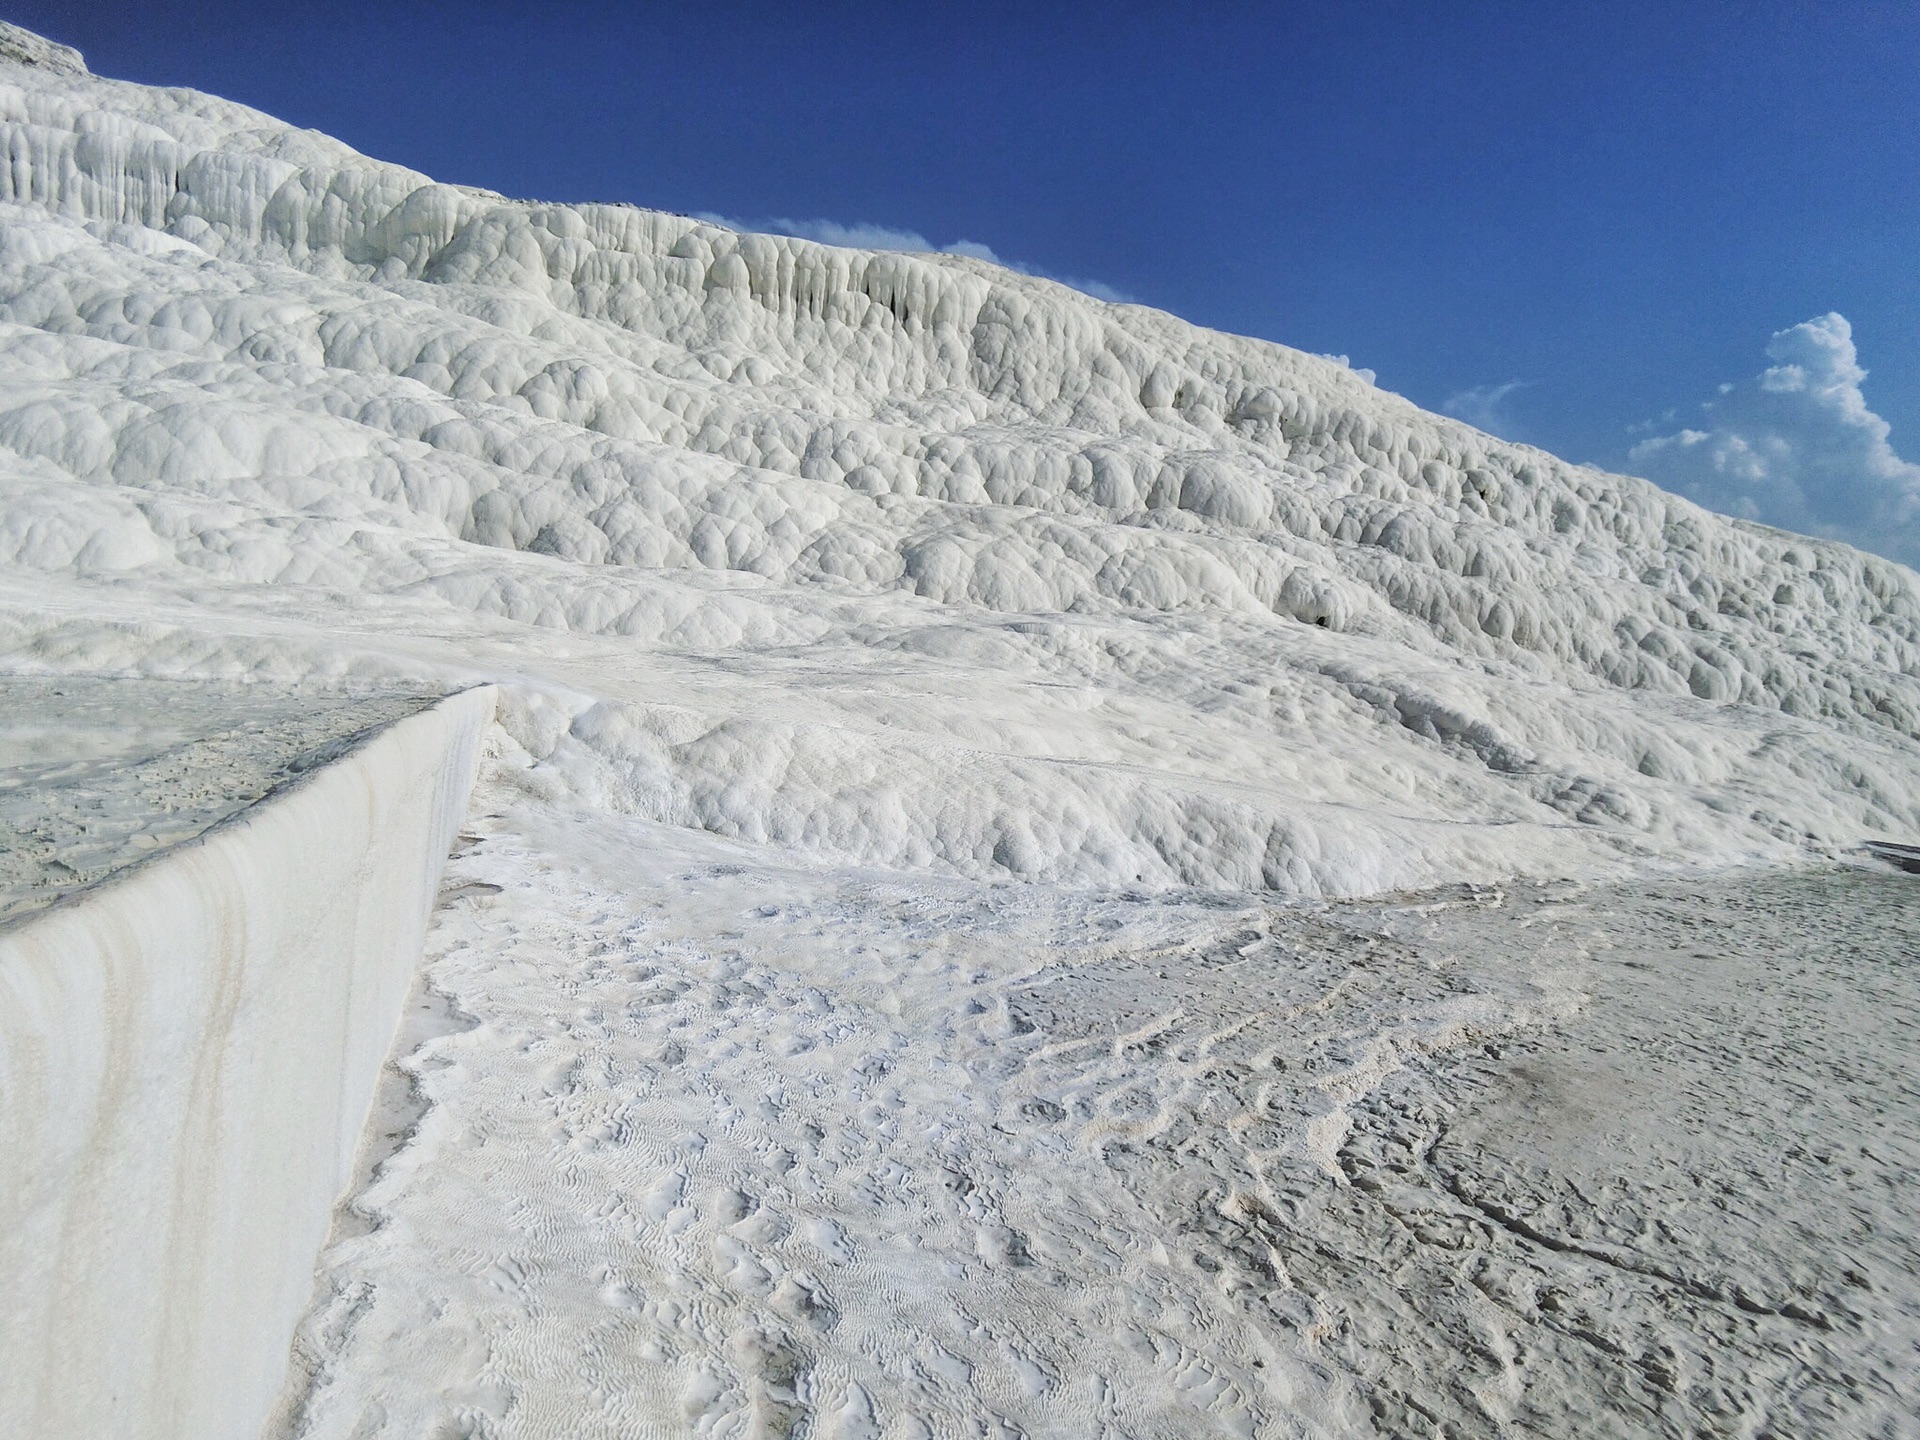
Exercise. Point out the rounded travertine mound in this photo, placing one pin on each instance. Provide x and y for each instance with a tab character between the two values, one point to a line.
1315	628
23	47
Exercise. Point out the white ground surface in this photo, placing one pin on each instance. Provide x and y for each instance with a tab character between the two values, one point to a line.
97	774
905	584
707	1141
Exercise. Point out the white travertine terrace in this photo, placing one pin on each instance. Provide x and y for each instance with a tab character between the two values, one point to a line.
187	1054
101	773
825	593
1085	592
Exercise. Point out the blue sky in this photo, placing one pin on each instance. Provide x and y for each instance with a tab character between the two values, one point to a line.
1570	223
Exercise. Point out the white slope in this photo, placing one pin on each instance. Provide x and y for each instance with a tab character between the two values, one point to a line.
905	559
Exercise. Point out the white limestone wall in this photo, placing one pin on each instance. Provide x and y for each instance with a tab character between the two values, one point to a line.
187	1057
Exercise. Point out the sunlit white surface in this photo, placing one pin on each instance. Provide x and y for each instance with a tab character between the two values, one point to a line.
892	580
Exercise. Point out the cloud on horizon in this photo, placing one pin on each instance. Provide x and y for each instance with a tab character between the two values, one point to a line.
1483	407
863	235
1797	447
1345	362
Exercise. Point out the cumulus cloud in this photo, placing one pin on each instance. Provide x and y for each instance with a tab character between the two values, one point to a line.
864	235
1484	408
1797	447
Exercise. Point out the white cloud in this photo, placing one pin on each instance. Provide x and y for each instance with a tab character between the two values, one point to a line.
1484	408
1098	289
1797	447
860	235
864	235
1362	371
975	249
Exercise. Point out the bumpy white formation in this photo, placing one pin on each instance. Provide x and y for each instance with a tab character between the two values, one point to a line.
906	559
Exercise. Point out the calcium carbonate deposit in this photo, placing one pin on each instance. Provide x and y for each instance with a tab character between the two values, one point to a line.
901	977
98	773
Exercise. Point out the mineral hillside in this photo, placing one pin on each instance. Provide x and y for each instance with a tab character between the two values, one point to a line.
894	978
903	558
